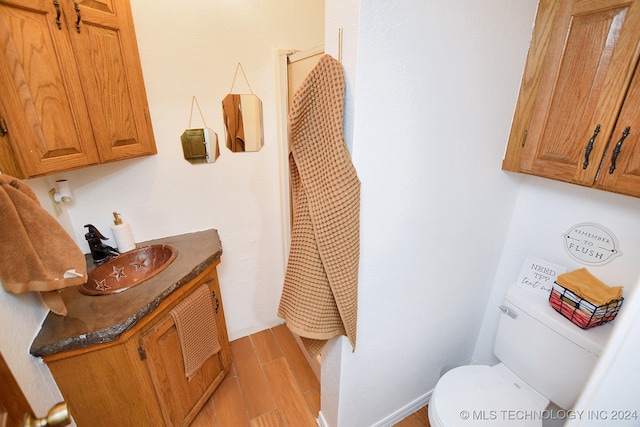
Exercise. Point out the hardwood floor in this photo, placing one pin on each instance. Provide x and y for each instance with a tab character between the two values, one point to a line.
270	384
417	419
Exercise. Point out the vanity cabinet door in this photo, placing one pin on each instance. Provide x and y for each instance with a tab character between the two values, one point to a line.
580	66
45	124
106	50
181	399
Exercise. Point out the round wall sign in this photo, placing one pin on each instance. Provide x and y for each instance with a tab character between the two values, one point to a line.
591	243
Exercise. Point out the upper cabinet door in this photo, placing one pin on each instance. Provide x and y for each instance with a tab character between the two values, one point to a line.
620	170
41	101
588	65
103	38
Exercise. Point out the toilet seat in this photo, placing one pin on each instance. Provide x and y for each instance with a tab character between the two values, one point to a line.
486	395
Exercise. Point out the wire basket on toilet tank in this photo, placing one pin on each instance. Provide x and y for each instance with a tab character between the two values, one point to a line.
580	311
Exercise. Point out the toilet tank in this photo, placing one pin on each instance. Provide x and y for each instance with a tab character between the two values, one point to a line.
544	349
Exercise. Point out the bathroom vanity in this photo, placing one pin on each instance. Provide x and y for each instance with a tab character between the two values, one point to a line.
117	358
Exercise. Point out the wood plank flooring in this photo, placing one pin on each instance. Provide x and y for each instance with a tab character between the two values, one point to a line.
270	384
417	419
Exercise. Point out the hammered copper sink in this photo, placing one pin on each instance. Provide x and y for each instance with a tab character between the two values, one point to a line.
128	270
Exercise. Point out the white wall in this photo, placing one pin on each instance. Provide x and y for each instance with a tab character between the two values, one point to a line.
435	87
444	230
189	48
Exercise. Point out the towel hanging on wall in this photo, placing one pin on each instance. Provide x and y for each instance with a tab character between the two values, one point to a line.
35	251
320	294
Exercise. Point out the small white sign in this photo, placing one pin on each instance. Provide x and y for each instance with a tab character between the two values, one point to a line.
537	275
591	244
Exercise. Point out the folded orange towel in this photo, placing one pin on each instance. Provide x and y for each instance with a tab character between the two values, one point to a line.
585	285
197	330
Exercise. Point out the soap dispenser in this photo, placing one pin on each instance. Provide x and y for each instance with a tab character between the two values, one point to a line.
122	234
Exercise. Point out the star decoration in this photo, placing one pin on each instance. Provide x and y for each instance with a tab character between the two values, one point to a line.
139	263
101	285
117	273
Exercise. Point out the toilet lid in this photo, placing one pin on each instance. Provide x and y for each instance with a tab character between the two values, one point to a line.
493	396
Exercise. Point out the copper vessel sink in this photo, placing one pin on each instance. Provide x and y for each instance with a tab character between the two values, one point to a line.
128	270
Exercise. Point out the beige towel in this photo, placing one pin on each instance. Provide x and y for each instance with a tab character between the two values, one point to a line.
35	251
320	294
197	330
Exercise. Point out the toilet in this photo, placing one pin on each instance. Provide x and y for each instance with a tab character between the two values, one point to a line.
543	358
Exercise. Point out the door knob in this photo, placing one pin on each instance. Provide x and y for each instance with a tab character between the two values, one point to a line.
58	416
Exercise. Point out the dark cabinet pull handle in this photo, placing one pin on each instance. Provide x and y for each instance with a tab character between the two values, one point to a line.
215	298
57	6
77	9
587	152
616	151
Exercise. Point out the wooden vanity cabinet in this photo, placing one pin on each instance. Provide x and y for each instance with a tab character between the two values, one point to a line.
139	379
71	86
181	399
578	95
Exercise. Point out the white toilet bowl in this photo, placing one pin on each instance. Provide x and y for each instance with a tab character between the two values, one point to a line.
485	395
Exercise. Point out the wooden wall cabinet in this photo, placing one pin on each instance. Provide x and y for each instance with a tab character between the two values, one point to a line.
580	91
71	86
139	379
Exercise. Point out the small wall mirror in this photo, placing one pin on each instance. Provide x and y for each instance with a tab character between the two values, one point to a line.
242	115
200	145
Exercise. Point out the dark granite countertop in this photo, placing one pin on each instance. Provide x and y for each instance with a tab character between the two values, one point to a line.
98	319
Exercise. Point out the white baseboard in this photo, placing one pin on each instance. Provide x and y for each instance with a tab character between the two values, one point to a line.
404	412
394	418
234	335
321	421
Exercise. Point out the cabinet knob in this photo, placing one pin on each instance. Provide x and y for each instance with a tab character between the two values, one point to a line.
587	152
616	151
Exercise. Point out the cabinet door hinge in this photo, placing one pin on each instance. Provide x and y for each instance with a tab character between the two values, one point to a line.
524	136
142	353
3	127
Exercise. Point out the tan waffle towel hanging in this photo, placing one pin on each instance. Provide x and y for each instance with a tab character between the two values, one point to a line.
197	330
35	251
320	294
